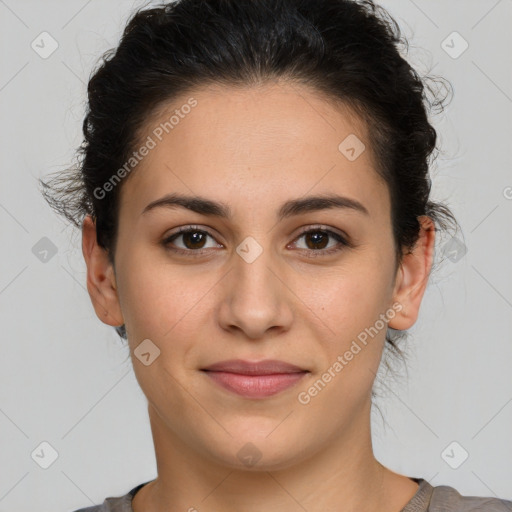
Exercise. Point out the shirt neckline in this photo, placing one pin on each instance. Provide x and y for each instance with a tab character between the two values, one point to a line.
421	499
418	503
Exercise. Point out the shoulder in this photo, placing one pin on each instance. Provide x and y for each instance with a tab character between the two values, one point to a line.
94	508
448	499
115	503
119	504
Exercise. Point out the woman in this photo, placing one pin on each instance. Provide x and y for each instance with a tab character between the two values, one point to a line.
254	204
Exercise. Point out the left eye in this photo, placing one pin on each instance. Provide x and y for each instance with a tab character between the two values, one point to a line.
317	239
194	239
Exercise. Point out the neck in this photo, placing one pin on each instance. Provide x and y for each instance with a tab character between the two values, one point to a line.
343	475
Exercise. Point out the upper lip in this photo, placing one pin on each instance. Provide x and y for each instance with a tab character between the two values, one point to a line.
265	367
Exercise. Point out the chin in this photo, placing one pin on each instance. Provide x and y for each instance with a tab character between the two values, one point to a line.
256	450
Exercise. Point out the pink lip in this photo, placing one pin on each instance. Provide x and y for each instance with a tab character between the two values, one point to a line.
255	380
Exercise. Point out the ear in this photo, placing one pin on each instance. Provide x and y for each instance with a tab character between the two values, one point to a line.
412	276
101	279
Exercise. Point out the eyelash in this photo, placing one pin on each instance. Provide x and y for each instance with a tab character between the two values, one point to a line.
199	252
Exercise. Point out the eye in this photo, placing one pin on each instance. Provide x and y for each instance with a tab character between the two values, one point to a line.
318	238
194	241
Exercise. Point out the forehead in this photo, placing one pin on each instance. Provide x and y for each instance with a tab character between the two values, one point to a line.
255	145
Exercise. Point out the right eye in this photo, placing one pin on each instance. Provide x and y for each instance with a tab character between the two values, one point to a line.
193	240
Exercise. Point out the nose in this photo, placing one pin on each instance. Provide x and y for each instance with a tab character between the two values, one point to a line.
256	298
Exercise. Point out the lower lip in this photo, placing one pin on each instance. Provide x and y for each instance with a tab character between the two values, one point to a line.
255	386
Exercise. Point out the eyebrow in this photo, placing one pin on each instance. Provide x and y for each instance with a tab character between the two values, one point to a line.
290	208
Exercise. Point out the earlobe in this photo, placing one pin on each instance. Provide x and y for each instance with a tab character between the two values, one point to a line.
413	276
101	280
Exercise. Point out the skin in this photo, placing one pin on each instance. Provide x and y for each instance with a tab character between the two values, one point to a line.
254	149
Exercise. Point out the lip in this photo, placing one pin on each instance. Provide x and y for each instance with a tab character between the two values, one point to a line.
265	367
258	379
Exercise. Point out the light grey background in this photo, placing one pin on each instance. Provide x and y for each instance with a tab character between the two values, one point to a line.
65	377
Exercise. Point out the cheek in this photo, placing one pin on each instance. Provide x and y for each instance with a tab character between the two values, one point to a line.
352	309
351	306
351	298
160	300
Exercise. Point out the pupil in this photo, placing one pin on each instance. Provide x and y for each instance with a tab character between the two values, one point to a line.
196	237
315	236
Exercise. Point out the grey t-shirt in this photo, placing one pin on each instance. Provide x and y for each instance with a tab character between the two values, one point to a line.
427	499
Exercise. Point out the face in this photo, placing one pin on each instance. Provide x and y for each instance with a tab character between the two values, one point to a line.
311	285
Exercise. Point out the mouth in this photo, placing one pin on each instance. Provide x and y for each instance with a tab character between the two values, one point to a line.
255	379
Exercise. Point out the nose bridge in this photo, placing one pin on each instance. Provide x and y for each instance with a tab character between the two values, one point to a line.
255	295
253	264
